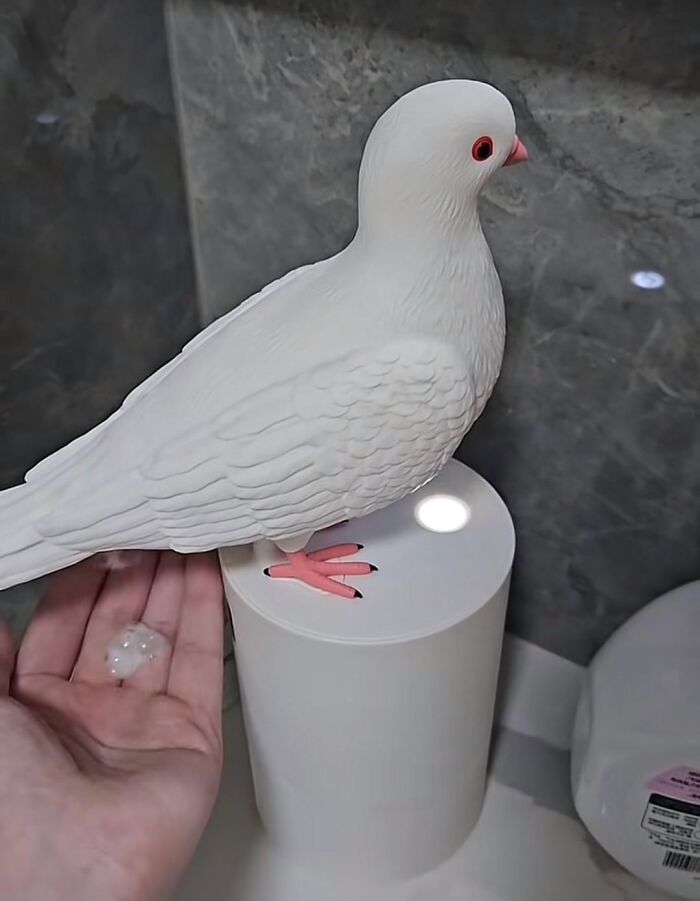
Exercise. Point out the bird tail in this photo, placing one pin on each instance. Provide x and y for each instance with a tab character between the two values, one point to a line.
24	554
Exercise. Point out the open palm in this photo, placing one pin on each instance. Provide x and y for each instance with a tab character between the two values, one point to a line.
106	786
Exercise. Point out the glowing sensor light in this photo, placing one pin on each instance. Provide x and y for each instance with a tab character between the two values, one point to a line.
442	513
648	279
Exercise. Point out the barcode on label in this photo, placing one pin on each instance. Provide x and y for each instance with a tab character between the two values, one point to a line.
685	862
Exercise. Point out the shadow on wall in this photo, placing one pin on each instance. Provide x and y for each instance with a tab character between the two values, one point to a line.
96	282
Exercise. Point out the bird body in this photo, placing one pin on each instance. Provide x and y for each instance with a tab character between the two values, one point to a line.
332	392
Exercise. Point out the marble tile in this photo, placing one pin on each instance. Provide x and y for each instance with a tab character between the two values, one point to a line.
651	41
593	435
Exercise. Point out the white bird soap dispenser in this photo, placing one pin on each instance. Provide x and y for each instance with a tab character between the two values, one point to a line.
636	745
332	393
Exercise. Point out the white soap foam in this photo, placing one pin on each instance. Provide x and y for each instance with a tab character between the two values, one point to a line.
131	649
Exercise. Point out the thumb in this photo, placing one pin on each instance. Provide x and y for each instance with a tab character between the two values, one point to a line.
7	658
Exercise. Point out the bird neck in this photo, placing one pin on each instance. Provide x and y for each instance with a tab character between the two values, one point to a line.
441	270
416	229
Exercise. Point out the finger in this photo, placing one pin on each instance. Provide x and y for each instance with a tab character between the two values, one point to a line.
197	666
7	658
121	602
52	640
162	612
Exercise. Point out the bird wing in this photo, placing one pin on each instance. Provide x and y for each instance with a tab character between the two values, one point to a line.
76	451
336	442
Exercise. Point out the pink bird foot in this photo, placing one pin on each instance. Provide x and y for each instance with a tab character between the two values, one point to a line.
315	570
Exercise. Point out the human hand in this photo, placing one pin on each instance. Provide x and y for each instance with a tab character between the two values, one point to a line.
106	787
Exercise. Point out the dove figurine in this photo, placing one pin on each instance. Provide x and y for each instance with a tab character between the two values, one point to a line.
334	391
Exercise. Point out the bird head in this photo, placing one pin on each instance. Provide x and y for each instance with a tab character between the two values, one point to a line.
431	153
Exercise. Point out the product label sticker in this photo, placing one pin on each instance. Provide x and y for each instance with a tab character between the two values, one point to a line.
673	826
681	782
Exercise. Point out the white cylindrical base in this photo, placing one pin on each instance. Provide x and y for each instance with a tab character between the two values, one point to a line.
369	721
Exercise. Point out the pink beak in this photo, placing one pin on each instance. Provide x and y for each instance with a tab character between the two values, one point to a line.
518	154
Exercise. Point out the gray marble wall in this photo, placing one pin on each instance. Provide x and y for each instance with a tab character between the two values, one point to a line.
96	277
593	435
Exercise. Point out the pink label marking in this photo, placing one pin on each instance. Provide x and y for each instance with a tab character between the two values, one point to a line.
681	782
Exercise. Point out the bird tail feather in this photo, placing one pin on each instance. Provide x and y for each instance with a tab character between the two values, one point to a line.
24	554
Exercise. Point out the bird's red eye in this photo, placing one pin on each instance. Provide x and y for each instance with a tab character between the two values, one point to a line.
482	149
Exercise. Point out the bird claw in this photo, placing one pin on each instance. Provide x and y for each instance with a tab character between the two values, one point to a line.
315	570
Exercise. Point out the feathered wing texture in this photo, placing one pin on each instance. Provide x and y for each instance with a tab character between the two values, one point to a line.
339	441
25	552
74	452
